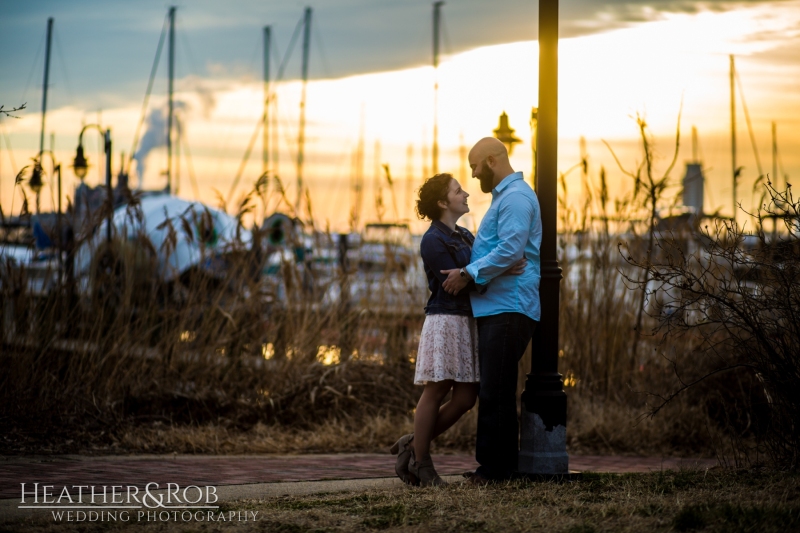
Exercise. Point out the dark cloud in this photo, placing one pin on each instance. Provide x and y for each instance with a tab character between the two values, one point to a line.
106	48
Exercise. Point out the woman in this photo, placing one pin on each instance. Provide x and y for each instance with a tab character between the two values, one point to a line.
447	358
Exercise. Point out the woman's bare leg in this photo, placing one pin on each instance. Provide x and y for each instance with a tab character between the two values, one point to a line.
425	418
463	399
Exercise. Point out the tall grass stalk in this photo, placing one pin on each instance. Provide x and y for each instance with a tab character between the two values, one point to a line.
279	362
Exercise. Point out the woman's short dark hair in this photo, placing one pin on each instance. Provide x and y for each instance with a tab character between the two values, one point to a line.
432	191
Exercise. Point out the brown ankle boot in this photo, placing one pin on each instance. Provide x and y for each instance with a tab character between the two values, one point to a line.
403	451
425	472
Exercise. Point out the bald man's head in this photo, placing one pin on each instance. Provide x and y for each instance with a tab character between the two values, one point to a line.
488	146
488	160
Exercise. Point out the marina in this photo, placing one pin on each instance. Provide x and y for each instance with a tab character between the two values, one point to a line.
247	270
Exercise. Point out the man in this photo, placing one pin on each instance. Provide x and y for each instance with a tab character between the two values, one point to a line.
509	311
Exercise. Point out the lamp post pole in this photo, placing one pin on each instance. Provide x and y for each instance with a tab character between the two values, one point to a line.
543	438
109	189
60	245
80	166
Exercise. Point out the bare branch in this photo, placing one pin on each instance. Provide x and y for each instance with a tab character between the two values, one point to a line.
12	110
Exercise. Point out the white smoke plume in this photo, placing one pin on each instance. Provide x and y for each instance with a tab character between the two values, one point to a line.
155	136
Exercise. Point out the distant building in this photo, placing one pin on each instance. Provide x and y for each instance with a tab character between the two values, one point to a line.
693	184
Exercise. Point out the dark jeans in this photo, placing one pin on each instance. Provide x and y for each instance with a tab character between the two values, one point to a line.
502	340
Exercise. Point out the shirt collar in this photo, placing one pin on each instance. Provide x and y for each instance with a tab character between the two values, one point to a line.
505	182
443	227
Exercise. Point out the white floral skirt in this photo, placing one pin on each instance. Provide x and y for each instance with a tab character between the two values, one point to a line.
448	349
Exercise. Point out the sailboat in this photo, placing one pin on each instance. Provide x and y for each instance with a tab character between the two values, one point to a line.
154	211
34	242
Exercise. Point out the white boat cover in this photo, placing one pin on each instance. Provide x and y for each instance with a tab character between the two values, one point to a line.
214	232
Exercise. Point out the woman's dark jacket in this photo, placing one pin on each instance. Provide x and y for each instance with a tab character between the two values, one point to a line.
444	249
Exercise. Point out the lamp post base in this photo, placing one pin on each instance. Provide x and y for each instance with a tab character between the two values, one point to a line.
543	432
542	451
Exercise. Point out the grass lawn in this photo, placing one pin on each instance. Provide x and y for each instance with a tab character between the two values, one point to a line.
714	500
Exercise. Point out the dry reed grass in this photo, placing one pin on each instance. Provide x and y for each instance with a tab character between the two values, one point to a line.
137	365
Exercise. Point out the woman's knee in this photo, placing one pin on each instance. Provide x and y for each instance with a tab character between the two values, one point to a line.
465	404
465	397
435	391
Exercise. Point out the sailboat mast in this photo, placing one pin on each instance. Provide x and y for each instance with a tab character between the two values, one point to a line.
733	133
377	189
437	17
170	97
265	146
462	157
425	169
410	179
301	136
774	156
46	81
358	173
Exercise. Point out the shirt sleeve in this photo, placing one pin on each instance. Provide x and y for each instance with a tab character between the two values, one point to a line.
514	222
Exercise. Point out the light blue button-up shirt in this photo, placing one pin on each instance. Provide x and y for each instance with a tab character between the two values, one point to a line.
511	228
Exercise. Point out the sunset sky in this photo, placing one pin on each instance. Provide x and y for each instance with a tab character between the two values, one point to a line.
371	63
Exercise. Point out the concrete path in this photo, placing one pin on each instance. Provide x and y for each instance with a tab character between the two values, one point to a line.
257	476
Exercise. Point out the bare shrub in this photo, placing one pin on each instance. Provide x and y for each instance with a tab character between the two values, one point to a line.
737	294
613	355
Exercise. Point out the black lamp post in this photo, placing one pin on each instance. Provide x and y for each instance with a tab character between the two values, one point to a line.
81	165
544	418
534	134
505	133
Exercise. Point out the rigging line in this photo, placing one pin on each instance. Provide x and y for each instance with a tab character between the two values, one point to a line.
288	137
337	178
33	68
153	71
251	64
291	47
276	54
749	126
64	72
192	176
253	56
184	146
321	50
343	153
273	83
227	133
243	164
447	47
336	196
278	78
188	51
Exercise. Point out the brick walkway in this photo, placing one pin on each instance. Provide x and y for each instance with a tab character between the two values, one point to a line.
239	470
